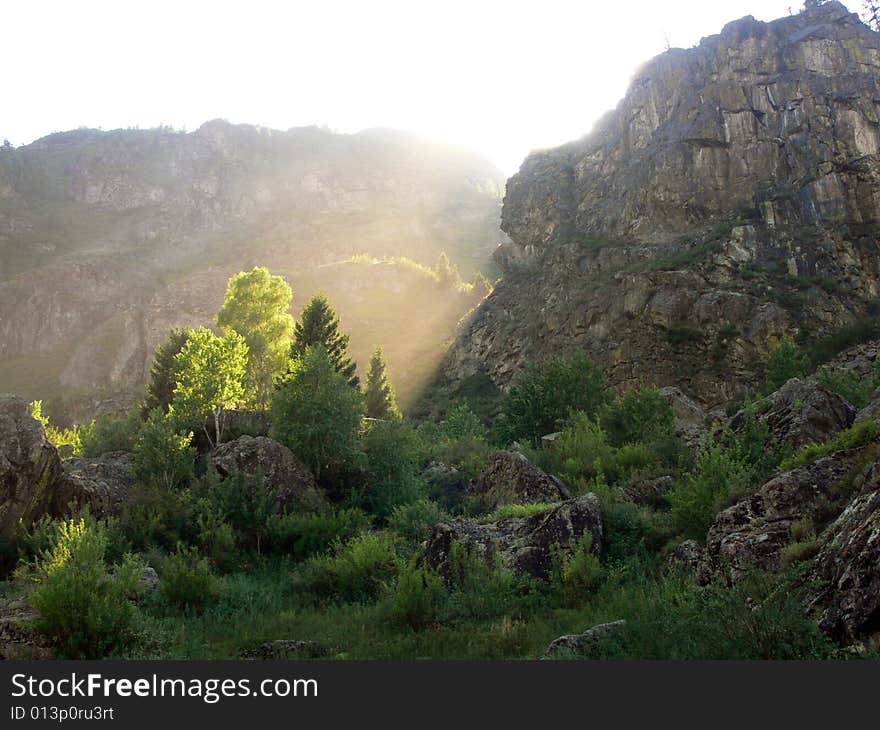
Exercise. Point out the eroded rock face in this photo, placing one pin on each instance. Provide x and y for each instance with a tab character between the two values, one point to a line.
802	412
711	212
29	467
102	484
522	544
510	478
288	481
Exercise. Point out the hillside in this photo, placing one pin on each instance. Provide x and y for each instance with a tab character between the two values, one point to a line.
107	239
728	201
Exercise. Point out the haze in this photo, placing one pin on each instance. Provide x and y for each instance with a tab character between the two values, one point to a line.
500	77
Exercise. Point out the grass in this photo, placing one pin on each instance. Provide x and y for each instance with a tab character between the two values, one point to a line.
859	435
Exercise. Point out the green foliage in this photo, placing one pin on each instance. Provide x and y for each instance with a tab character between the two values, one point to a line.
355	572
163	455
545	395
857	390
786	361
211	372
380	401
854	437
414	521
85	609
319	327
392	465
508	511
109	433
187	583
417	598
163	372
241	502
641	415
698	496
862	330
478	588
256	307
576	575
304	535
68	441
317	414
156	517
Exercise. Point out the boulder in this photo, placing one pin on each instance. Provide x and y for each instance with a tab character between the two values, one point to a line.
510	478
753	533
649	492
288	481
523	544
580	644
802	412
102	484
685	558
29	467
691	421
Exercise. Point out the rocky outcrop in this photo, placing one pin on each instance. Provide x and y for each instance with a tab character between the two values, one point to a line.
685	558
802	412
29	467
579	645
691	420
102	484
650	492
287	481
752	534
730	199
510	478
521	544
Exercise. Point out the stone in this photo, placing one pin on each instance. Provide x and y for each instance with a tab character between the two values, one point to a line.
685	558
102	484
149	580
579	645
286	479
691	421
510	478
29	467
522	544
283	649
650	492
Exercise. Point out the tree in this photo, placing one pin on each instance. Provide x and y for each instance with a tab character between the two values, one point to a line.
447	273
544	395
211	372
319	326
163	372
786	362
256	307
316	414
163	454
381	401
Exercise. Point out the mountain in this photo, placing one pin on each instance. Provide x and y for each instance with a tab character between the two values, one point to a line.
108	239
731	199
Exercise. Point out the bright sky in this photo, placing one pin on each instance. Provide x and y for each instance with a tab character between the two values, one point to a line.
501	76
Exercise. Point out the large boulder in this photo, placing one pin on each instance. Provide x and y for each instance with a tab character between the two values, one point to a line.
691	421
802	412
510	478
523	544
848	567
102	484
575	645
288	481
753	533
29	467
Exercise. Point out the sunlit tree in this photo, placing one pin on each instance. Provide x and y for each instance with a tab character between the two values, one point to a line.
319	326
256	307
381	402
211	372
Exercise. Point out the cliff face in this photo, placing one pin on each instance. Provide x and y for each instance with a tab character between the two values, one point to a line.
107	239
732	197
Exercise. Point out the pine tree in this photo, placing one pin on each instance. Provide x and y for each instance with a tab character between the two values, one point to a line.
319	325
381	401
163	373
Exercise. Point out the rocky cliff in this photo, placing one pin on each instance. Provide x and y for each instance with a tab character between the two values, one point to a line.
107	239
731	198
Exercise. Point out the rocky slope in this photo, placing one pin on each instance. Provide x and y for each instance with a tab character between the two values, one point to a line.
731	198
107	239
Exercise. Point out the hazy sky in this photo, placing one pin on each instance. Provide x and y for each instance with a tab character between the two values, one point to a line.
500	76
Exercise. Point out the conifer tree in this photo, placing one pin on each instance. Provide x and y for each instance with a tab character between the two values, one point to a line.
381	401
319	325
163	372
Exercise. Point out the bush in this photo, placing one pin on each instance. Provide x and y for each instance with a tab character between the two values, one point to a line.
544	395
508	511
575	576
155	517
163	455
304	535
786	361
355	572
85	609
641	415
417	598
855	389
852	438
478	588
240	501
187	583
108	433
415	521
392	461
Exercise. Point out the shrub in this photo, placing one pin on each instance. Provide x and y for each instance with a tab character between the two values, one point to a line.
85	609
507	511
157	517
414	521
68	441
240	501
462	423
163	455
786	361
544	395
392	461
855	389
417	598
852	438
304	535
108	433
187	581
575	576
581	452
641	415
478	588
354	572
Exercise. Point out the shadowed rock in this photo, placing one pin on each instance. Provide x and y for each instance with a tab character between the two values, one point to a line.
510	478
